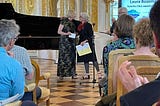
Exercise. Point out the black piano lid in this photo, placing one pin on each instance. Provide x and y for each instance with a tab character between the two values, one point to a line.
37	32
30	25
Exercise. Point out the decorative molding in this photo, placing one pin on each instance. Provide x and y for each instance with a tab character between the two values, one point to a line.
84	5
94	15
29	6
52	7
62	8
107	2
72	5
44	7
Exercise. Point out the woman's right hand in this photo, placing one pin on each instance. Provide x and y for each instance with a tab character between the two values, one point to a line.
83	42
68	33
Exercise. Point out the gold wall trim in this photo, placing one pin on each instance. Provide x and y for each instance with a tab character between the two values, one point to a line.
94	15
53	7
61	8
72	4
44	7
29	6
84	4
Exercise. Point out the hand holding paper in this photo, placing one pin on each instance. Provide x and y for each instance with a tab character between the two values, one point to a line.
72	35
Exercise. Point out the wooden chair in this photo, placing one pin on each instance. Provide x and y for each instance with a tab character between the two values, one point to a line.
16	103
45	91
153	49
113	55
146	66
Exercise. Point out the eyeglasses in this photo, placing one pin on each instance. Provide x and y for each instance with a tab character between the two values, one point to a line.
16	38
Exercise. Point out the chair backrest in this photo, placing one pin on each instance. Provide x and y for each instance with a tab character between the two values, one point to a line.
113	55
36	75
148	71
153	50
141	62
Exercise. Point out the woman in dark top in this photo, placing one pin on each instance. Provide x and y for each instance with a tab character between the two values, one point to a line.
148	93
123	31
86	35
67	55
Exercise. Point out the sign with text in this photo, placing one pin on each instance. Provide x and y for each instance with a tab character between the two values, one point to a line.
138	8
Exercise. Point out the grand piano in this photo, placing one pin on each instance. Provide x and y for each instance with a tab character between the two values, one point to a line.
37	32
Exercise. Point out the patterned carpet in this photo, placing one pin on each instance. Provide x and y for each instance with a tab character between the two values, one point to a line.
70	92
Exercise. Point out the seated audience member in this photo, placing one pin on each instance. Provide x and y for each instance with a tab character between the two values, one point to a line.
123	30
110	31
11	75
20	54
143	37
144	40
140	91
122	10
142	33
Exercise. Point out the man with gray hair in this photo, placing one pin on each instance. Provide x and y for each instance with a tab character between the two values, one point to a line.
122	10
11	74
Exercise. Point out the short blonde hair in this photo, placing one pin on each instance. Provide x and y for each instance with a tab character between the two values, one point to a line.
71	14
143	32
85	16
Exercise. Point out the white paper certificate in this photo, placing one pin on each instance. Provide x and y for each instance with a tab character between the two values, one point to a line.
72	35
83	50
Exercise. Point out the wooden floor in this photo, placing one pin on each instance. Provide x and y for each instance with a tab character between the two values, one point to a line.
69	92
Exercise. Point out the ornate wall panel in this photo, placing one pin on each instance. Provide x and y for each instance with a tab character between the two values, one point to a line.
44	7
84	5
71	4
94	15
61	8
29	6
52	7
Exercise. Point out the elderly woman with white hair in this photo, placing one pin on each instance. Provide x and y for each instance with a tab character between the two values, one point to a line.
86	34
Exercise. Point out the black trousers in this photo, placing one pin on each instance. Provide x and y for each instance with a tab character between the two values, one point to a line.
29	95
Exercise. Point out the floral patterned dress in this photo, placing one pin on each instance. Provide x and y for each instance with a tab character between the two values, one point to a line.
67	53
124	42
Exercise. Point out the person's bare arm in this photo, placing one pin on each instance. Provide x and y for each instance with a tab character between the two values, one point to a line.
29	76
61	32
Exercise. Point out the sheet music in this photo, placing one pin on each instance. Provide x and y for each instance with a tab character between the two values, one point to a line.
9	100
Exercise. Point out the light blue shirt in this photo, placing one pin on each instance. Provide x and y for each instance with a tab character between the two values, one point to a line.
21	54
11	76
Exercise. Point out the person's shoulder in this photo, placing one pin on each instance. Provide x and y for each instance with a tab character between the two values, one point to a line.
76	22
89	24
64	19
19	48
14	62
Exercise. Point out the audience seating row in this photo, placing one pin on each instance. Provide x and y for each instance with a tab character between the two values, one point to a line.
32	84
